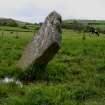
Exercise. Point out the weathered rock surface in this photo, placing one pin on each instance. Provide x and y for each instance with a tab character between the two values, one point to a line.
45	44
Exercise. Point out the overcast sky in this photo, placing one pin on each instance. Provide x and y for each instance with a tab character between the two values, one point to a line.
37	10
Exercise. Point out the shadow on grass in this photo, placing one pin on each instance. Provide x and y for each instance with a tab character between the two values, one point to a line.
37	72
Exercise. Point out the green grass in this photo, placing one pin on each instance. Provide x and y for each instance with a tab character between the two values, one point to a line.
76	75
31	28
11	48
8	28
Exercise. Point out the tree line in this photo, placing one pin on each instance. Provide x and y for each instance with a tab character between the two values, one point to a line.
79	26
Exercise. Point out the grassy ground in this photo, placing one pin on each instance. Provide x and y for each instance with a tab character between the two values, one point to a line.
7	28
27	28
76	75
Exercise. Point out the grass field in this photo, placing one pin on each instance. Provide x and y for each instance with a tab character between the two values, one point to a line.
76	75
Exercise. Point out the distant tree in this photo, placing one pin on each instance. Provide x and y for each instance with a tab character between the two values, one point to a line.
4	24
25	26
75	25
12	24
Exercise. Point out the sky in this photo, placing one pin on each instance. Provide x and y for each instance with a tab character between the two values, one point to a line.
36	10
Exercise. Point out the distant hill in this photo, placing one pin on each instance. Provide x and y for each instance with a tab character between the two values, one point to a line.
4	21
80	25
8	24
21	23
85	21
69	24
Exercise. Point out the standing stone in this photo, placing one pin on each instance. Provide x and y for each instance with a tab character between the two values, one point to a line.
44	45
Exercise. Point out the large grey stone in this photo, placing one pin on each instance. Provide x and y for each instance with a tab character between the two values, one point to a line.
45	44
